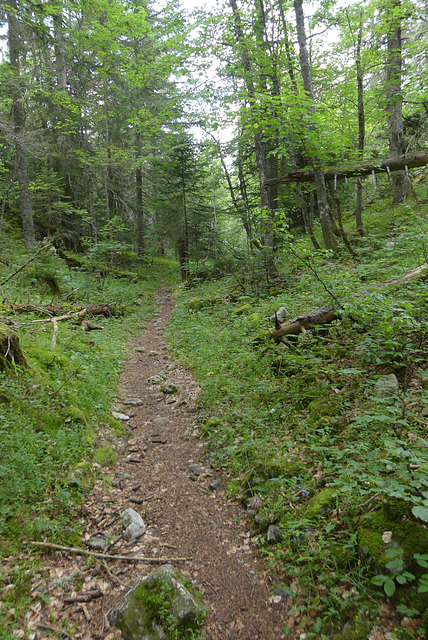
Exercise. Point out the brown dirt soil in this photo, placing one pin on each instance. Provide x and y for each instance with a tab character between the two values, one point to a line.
184	518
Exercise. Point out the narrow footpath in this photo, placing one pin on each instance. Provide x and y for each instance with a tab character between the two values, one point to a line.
162	474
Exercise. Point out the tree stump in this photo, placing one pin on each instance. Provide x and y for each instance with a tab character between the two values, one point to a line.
10	349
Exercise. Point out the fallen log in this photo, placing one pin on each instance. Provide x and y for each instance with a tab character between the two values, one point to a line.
384	165
327	313
300	324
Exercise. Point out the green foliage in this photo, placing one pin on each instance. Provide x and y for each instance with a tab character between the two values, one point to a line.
52	413
306	437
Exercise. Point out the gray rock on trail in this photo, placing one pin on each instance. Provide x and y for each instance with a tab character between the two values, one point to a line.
134	523
196	469
120	416
169	388
137	621
386	386
156	379
133	402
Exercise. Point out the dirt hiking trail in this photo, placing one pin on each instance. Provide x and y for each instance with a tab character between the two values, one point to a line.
161	474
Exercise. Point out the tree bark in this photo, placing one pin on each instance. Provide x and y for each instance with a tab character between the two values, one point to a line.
394	96
313	158
361	128
261	149
18	114
140	221
384	165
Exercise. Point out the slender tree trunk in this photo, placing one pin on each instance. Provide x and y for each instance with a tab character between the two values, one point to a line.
260	146
18	115
141	227
361	129
394	97
94	228
313	158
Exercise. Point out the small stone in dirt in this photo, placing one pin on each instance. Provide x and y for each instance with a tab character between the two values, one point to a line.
134	523
274	534
160	420
275	599
173	366
120	416
192	410
98	543
171	401
196	469
169	388
133	402
156	379
215	484
125	476
153	354
141	349
135	615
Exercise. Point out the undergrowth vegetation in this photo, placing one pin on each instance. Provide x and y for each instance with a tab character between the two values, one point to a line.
56	413
323	437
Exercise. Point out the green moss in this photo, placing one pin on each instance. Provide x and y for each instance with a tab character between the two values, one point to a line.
254	319
324	407
320	504
407	534
76	414
117	426
105	456
282	466
194	304
243	309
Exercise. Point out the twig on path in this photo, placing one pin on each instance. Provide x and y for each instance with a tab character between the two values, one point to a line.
84	597
106	556
55	630
115	578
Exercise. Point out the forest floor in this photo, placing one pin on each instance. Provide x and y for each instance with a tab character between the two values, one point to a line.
185	518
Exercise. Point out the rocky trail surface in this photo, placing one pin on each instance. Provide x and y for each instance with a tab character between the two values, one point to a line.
162	475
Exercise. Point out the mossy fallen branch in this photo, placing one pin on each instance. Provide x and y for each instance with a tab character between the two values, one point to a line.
327	313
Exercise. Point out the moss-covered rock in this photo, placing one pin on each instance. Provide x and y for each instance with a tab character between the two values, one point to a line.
76	415
243	309
158	606
407	534
105	456
254	319
320	504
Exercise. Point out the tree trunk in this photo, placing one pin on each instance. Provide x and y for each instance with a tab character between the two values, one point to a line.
394	97
313	158
361	129
18	114
261	150
140	221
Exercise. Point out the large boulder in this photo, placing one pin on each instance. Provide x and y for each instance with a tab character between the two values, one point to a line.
158	604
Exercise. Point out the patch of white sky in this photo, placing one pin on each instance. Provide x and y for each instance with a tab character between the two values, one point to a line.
209	76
